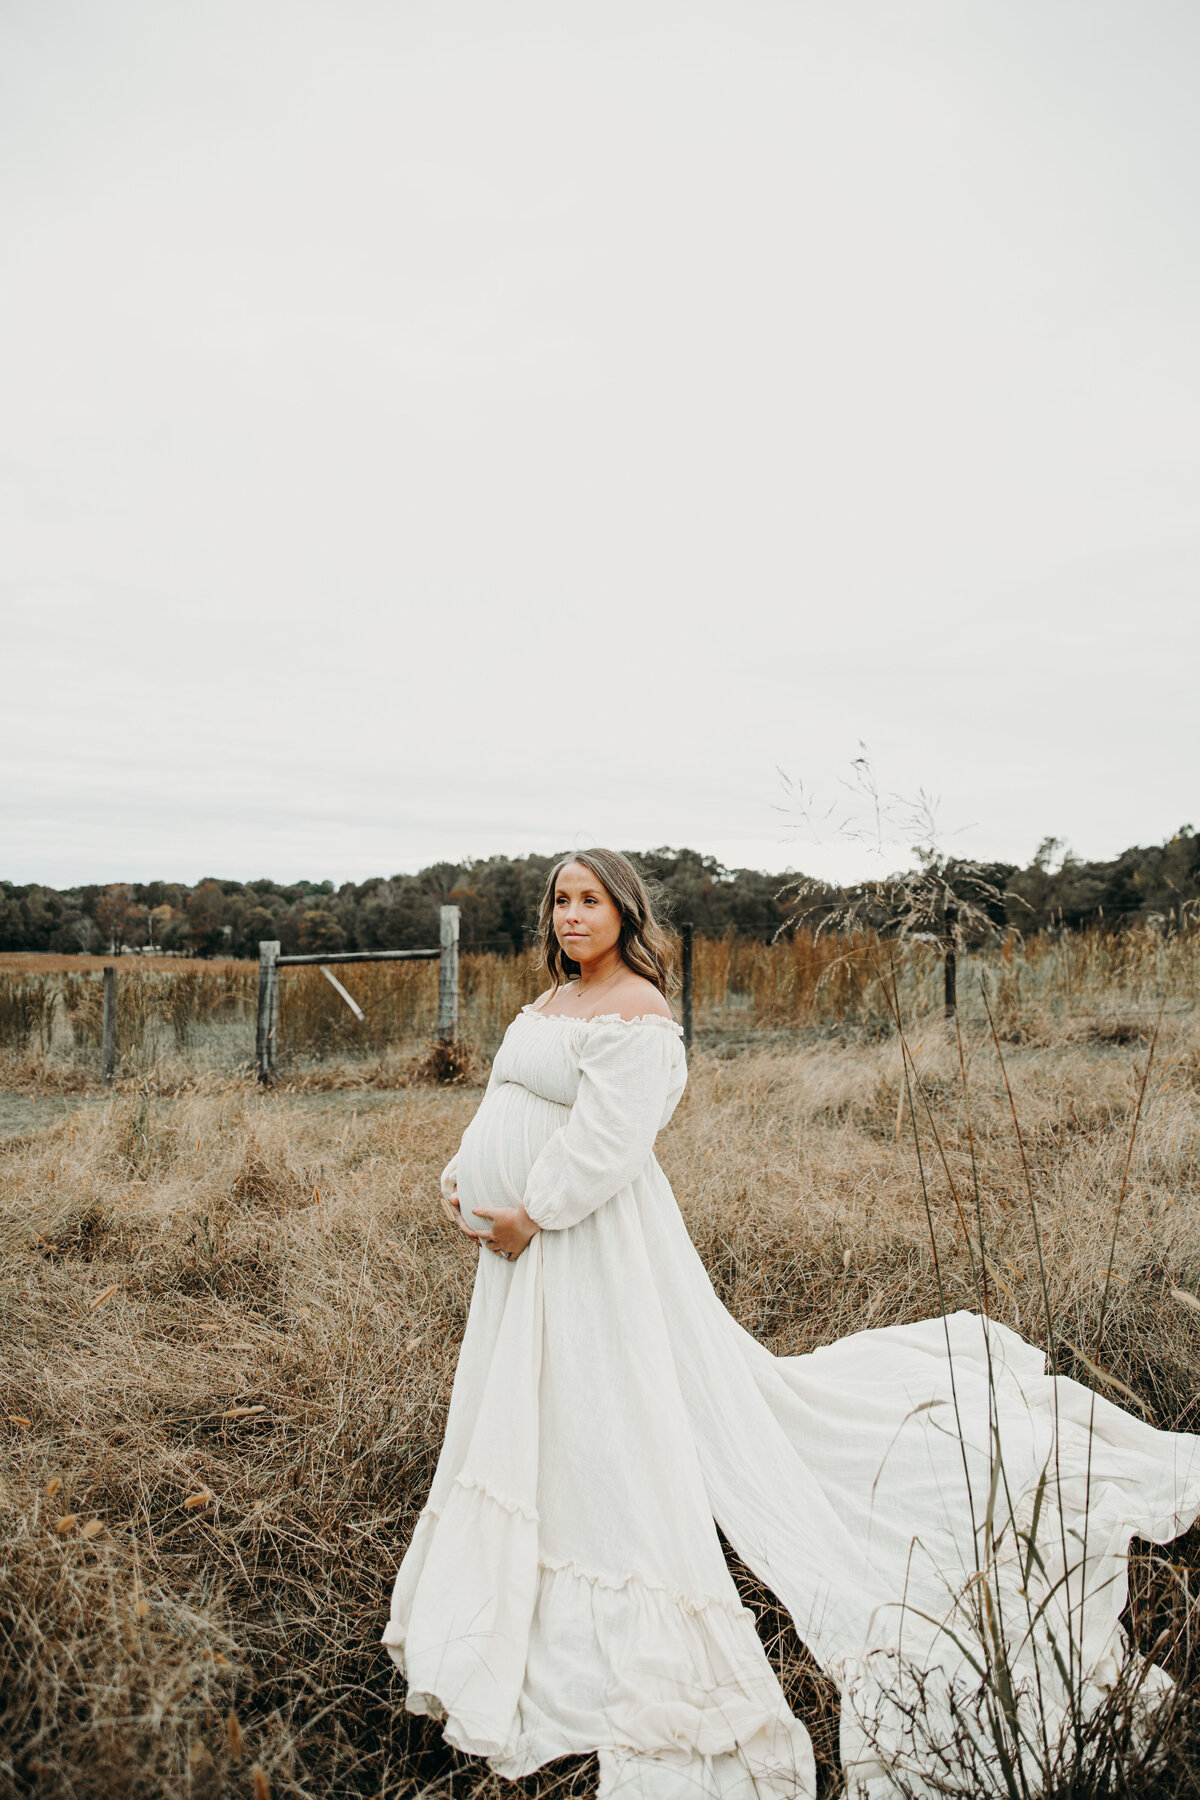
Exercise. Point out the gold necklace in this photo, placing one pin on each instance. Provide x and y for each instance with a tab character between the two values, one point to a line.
600	985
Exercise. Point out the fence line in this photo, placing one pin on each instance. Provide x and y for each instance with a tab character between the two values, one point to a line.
739	989
266	1037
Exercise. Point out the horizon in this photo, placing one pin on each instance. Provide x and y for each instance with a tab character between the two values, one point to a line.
1062	853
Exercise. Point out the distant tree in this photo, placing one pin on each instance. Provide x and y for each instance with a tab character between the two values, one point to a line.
438	879
120	919
171	930
12	923
1181	872
940	896
397	915
319	930
255	926
514	895
43	912
173	935
206	917
89	940
73	933
476	915
695	889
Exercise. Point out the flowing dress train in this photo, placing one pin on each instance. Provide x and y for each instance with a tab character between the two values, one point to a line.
565	1589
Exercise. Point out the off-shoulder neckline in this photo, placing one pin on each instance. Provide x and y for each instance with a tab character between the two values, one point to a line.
603	1019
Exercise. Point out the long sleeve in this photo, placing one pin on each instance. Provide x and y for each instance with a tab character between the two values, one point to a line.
630	1076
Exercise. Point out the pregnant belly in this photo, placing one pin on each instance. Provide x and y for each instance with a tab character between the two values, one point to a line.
501	1145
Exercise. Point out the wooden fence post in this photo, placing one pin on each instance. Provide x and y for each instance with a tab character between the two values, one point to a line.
266	1042
951	967
108	1040
686	958
447	1025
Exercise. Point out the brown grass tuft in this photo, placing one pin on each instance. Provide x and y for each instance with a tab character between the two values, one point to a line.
450	1064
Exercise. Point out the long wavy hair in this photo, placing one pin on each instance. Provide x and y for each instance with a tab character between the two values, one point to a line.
643	943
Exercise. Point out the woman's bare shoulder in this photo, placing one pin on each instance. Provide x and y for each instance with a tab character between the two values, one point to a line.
539	1005
637	998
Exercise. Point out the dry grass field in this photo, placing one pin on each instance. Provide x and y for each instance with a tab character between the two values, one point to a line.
41	962
230	1321
179	1019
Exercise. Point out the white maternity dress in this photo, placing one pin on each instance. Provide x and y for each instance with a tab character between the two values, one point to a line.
565	1589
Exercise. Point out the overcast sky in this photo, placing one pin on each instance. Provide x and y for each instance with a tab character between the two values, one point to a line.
429	430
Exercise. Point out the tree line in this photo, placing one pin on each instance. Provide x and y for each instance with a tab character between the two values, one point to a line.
498	898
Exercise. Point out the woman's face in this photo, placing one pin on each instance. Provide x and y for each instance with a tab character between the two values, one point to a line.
587	922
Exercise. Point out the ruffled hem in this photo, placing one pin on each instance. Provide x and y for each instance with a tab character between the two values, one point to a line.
688	1603
475	1484
622	1665
604	1019
554	1565
526	1658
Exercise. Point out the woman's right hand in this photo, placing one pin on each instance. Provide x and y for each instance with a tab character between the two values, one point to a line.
453	1210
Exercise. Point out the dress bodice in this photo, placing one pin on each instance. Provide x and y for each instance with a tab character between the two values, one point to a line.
545	1052
625	1074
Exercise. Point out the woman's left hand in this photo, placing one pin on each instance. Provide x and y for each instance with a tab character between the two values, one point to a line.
512	1230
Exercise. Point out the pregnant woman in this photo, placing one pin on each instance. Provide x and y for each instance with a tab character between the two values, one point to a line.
918	1497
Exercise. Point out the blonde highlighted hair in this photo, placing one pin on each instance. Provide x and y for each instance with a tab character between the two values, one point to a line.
643	943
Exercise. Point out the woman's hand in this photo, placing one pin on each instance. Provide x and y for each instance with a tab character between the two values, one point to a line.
452	1208
512	1230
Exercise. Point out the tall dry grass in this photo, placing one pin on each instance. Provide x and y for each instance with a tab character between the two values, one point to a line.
400	1001
180	1020
827	980
198	1017
230	1324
